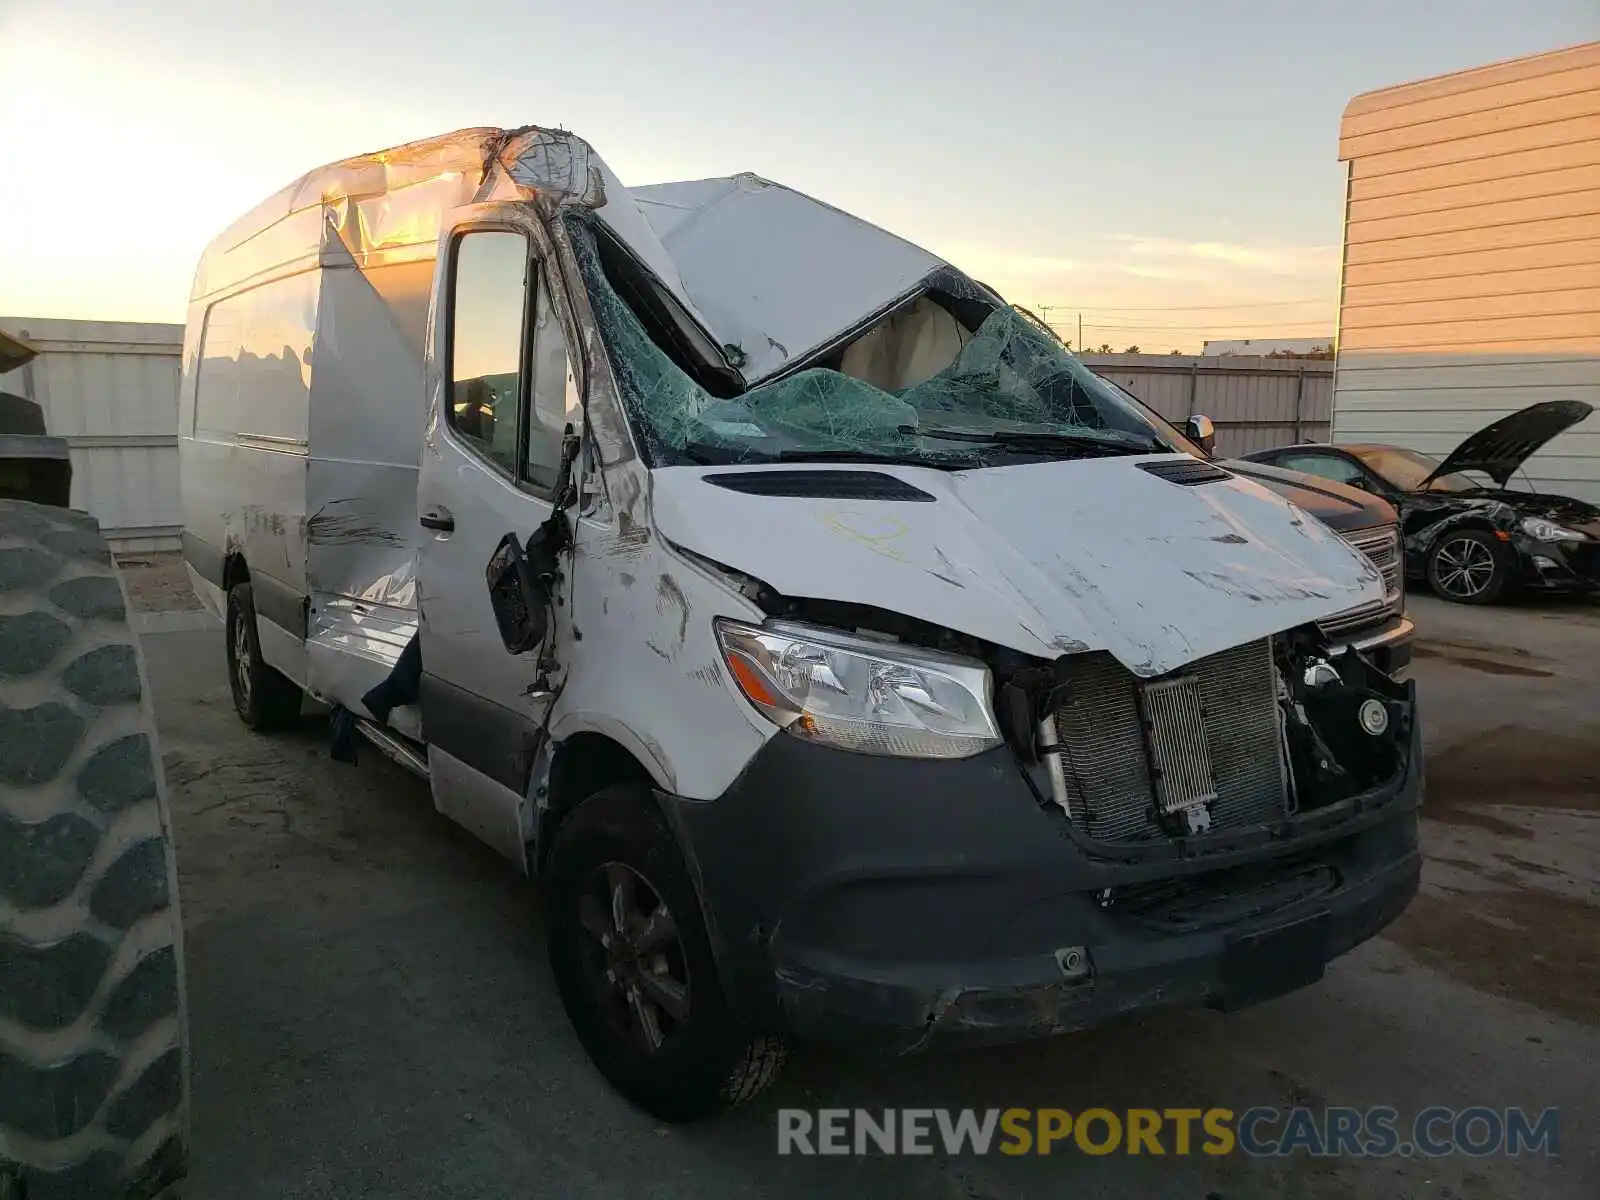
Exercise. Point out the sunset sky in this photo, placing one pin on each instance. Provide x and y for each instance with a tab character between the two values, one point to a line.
1167	168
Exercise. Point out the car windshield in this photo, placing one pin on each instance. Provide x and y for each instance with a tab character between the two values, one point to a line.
1406	469
1009	391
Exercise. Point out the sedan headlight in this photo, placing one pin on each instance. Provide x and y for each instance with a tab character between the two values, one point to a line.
859	694
1548	531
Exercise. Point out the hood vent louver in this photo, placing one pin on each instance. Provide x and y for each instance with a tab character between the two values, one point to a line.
1186	472
820	485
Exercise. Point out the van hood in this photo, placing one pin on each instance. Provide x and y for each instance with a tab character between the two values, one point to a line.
1045	558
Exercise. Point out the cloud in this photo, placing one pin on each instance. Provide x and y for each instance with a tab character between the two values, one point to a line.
988	261
1263	259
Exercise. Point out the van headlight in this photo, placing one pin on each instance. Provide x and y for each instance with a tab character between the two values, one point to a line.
859	694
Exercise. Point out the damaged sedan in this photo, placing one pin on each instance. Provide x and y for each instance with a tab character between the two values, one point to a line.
1474	544
847	661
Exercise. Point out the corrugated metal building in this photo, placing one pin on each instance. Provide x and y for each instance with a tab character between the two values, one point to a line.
111	390
1471	277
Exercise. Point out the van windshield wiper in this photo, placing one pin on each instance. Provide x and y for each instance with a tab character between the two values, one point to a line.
1024	439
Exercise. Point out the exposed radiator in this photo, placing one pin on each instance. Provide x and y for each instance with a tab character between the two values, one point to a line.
1207	735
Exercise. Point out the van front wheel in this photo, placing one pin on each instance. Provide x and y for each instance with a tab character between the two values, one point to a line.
264	697
634	966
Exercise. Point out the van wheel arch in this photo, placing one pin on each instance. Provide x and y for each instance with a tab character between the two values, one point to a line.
234	571
581	765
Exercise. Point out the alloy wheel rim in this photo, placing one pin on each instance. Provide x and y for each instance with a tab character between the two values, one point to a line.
241	658
634	957
1464	567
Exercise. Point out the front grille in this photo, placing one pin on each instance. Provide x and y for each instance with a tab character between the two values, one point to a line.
1352	619
1133	749
1382	548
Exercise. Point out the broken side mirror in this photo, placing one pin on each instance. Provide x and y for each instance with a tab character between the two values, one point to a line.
1200	430
521	602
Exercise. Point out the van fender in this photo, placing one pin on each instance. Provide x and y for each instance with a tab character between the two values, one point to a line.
647	750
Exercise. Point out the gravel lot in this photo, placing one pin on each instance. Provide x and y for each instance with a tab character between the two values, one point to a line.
372	1015
157	582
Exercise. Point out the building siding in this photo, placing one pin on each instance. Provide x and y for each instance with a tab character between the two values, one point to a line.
1470	285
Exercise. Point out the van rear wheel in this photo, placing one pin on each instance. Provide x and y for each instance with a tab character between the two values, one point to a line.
634	966
264	697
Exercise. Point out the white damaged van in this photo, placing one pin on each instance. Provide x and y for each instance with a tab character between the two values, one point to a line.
846	660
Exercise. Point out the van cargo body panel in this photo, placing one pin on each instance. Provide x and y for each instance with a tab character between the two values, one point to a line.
1044	558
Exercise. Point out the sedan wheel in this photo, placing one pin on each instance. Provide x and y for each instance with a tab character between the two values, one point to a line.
1468	567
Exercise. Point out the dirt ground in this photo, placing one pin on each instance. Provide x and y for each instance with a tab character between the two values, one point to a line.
372	1015
157	582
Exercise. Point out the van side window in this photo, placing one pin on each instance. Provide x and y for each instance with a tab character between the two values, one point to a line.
254	369
488	317
554	391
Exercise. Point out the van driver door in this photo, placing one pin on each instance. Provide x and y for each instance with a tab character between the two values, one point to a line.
502	397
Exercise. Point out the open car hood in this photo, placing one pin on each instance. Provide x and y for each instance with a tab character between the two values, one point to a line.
1046	558
1498	449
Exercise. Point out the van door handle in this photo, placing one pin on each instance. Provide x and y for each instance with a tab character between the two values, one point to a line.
443	522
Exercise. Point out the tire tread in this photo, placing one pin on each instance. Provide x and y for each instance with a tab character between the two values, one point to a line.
93	1018
728	1064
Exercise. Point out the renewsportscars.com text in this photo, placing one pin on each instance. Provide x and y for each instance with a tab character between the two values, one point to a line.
1257	1132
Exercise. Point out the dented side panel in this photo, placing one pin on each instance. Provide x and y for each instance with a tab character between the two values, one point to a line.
361	532
641	664
648	672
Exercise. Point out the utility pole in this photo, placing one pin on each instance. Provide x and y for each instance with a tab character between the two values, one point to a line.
1080	333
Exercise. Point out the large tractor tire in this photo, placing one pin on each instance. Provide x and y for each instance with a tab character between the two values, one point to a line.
93	1026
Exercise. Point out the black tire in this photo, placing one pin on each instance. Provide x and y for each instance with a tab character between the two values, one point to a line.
93	1020
264	697
20	416
708	1062
1469	566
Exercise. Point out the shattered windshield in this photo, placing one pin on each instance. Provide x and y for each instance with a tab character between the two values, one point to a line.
1011	391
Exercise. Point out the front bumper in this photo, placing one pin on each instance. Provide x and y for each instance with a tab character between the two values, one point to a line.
1572	567
887	904
1388	646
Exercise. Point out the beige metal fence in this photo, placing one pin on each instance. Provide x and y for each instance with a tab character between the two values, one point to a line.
1256	403
111	390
